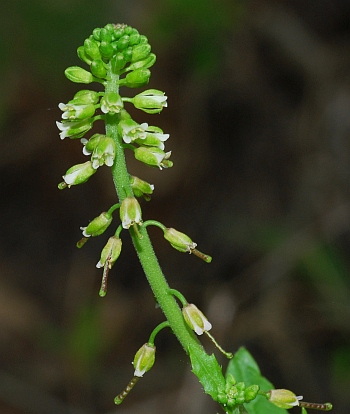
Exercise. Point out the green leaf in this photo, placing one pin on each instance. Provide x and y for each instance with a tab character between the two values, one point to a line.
208	371
244	368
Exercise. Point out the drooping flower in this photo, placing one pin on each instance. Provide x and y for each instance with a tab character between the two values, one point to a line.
141	188
144	359
153	156
130	212
74	129
79	174
195	319
110	252
283	398
98	225
179	241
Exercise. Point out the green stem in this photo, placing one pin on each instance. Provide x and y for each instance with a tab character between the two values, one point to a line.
143	245
156	330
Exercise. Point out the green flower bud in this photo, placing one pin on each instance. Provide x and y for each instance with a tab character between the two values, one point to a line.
106	35
151	101
98	225
230	381
96	34
85	97
118	32
143	39
144	359
127	53
98	69
153	156
134	39
140	52
78	75
283	398
106	50
128	30
179	241
136	78
251	392
123	42
91	48
111	103
141	188
145	63
118	62
195	319
110	252
79	174
82	55
74	129
130	212
110	27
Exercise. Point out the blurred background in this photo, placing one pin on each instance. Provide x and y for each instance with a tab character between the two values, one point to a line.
259	118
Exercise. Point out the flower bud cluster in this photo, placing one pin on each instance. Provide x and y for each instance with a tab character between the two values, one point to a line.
117	47
236	393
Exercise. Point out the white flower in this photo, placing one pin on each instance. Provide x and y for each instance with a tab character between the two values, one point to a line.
153	156
130	212
74	128
283	398
73	112
195	319
79	173
151	101
144	359
131	130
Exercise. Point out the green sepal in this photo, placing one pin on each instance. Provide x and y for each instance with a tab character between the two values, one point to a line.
98	69
106	50
91	48
118	33
134	39
128	30
106	35
244	368
207	369
118	62
84	97
239	409
123	42
143	39
82	55
127	54
136	79
78	75
96	33
145	63
140	52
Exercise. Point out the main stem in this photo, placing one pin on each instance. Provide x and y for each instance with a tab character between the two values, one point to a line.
143	245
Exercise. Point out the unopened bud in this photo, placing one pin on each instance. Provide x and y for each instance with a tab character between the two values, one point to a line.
144	359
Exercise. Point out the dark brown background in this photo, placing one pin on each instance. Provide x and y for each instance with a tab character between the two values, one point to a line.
259	117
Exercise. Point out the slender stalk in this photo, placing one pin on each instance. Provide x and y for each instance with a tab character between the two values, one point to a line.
143	245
